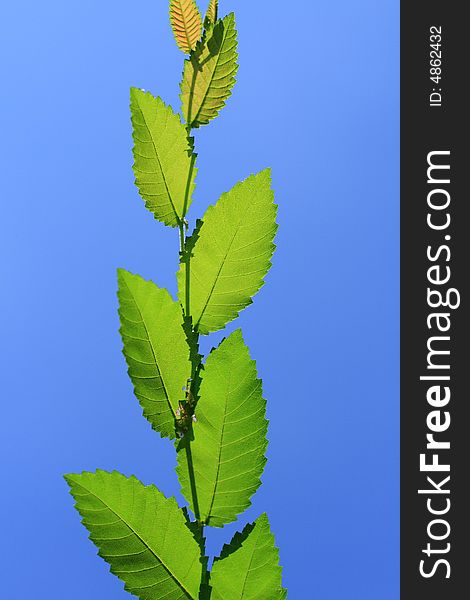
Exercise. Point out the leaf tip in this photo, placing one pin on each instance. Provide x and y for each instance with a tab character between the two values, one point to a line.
123	274
267	173
237	334
136	93
212	13
230	16
68	478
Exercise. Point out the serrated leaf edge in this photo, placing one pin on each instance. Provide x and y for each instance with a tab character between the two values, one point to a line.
186	23
70	477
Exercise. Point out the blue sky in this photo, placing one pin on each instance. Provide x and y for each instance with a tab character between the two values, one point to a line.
317	99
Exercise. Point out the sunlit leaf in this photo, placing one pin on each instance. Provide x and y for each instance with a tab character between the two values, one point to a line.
209	74
248	568
186	23
140	533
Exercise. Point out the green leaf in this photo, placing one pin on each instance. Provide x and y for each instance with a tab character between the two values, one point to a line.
227	451
232	253
186	23
164	165
140	533
211	14
248	568
209	74
155	349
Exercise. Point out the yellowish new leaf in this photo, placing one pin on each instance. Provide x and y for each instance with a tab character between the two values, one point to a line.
211	14
186	23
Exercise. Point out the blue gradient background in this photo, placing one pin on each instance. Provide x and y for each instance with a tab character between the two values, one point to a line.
316	99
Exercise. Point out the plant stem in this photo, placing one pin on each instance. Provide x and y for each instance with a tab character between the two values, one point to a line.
181	232
186	260
189	460
188	181
187	310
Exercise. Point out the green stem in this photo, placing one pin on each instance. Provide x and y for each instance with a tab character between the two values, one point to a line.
192	481
187	190
182	224
187	310
182	242
186	260
191	97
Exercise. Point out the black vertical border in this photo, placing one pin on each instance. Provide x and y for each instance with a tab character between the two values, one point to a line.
425	129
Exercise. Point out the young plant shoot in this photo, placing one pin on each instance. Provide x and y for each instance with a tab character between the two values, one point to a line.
212	409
